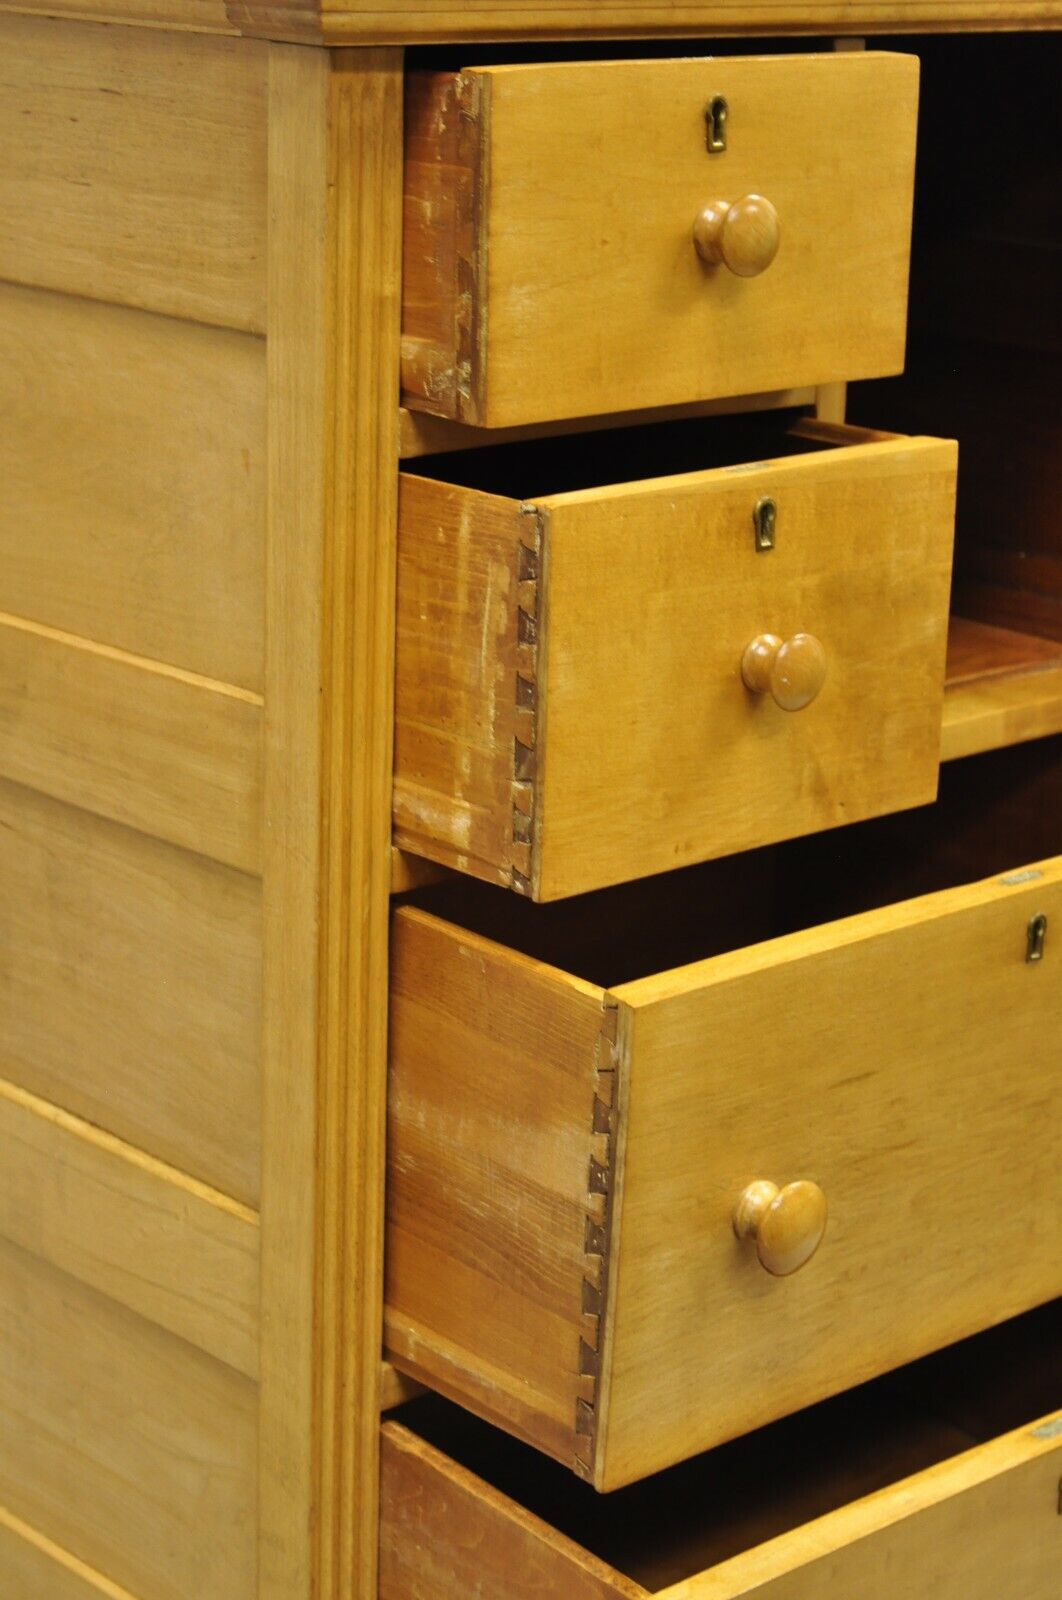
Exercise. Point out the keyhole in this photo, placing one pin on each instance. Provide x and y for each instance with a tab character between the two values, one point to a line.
715	115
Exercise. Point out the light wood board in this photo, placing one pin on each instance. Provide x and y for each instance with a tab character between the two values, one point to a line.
982	1524
135	168
652	753
424	21
335	200
132	481
167	1247
492	1134
159	749
897	1059
125	1445
35	1568
447	1534
130	987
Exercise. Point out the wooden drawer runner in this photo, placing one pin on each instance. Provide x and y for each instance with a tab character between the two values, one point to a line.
881	1493
568	1151
550	265
571	710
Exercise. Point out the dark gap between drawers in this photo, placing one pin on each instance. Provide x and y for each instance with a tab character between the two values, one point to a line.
538	467
994	813
731	1499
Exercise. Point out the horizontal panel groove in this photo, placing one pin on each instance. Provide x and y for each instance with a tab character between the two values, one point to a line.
150	534
160	1242
29	1556
74	296
75	641
158	749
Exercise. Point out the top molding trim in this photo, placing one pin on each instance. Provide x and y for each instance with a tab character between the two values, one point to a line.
362	22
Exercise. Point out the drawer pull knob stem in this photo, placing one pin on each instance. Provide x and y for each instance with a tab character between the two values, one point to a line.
792	670
787	1224
742	235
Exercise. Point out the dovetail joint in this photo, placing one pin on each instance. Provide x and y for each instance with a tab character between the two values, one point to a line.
596	1237
525	691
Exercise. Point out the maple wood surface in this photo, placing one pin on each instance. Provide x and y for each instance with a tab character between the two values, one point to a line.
613	669
135	521
135	168
549	251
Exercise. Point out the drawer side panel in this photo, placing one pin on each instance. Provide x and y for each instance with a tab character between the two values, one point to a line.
497	1180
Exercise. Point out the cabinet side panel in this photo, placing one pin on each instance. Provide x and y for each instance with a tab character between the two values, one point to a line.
135	168
127	1446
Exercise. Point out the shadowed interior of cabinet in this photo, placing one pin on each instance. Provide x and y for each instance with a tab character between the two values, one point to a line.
984	360
536	468
994	813
729	1500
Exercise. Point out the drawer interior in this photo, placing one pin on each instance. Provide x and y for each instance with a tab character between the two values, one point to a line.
995	813
558	465
732	1499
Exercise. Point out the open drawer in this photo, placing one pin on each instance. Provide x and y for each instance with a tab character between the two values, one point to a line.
581	1115
558	256
886	1493
587	691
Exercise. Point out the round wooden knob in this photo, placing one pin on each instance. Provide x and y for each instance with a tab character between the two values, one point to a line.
743	236
792	670
787	1224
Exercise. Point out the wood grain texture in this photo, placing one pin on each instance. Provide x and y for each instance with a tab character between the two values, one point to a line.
535	287
126	1446
634	746
425	21
135	168
173	1250
137	519
35	1568
759	1064
446	1533
416	21
971	1528
464	561
130	987
335	201
155	748
494	1075
988	713
652	752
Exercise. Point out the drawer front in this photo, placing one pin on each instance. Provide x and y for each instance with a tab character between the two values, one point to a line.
610	658
550	263
902	1062
566	1165
981	1524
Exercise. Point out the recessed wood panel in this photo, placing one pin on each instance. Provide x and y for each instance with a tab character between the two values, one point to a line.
132	481
130	986
127	1447
180	1254
168	754
135	168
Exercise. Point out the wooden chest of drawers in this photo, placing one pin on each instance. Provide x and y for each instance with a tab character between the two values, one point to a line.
639	620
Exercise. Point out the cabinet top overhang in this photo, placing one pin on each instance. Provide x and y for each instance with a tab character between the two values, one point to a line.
367	22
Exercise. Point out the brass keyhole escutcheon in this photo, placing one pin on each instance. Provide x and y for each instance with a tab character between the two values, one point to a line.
764	520
715	115
1035	937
